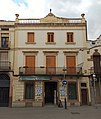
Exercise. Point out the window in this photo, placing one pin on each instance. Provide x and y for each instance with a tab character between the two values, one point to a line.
72	90
5	29
4	40
70	37
29	90
50	64
83	85
30	37
71	64
4	64
50	37
30	63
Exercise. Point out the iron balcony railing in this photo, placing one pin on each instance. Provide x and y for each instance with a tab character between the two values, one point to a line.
5	45
50	70
5	65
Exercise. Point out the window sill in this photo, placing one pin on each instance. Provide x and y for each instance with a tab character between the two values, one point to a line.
30	42
70	43
50	43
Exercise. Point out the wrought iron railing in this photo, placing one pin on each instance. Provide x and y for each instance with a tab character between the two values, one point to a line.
50	70
5	65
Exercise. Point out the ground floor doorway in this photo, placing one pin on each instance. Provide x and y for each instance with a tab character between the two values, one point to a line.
50	92
84	94
4	90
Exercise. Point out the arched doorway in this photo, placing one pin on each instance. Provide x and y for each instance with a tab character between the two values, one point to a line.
4	90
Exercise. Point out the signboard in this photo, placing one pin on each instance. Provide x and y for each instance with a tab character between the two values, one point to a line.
64	82
29	78
62	92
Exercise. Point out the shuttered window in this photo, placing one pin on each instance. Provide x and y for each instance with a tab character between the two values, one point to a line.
30	63
71	64
70	37
50	64
30	37
50	37
4	64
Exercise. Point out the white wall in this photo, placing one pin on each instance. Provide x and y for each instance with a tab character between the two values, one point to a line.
59	37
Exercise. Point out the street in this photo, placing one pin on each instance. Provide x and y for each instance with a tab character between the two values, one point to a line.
51	112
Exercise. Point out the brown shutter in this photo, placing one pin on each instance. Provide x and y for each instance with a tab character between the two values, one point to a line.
30	37
50	64
50	37
71	64
30	63
69	36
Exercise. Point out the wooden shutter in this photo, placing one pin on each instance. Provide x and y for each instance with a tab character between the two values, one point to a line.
4	64
69	36
50	64
30	38
30	63
50	37
71	64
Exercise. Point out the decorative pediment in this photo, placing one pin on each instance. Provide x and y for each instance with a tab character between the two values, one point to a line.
51	18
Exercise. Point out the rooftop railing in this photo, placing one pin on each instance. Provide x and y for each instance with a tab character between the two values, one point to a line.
34	21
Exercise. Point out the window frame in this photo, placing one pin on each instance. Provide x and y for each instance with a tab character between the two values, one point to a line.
76	92
30	40
50	37
70	37
32	96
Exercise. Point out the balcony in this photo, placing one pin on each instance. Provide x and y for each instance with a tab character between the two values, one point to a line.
5	65
5	45
50	71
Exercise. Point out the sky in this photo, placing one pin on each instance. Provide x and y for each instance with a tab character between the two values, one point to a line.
60	8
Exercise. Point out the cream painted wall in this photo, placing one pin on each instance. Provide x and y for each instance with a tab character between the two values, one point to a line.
41	45
41	38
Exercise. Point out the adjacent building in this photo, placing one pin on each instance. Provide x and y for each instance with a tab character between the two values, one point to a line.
6	61
94	64
46	61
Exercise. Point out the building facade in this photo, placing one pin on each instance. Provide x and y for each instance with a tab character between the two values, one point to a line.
94	64
48	61
6	61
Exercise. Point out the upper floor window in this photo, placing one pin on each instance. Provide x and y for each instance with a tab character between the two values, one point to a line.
70	37
50	37
30	37
5	29
4	40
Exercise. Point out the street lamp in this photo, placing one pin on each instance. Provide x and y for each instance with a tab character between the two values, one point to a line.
94	87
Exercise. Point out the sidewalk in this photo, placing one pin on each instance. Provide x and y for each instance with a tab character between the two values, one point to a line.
51	112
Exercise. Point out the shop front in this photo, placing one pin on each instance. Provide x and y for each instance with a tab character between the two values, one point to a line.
33	91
